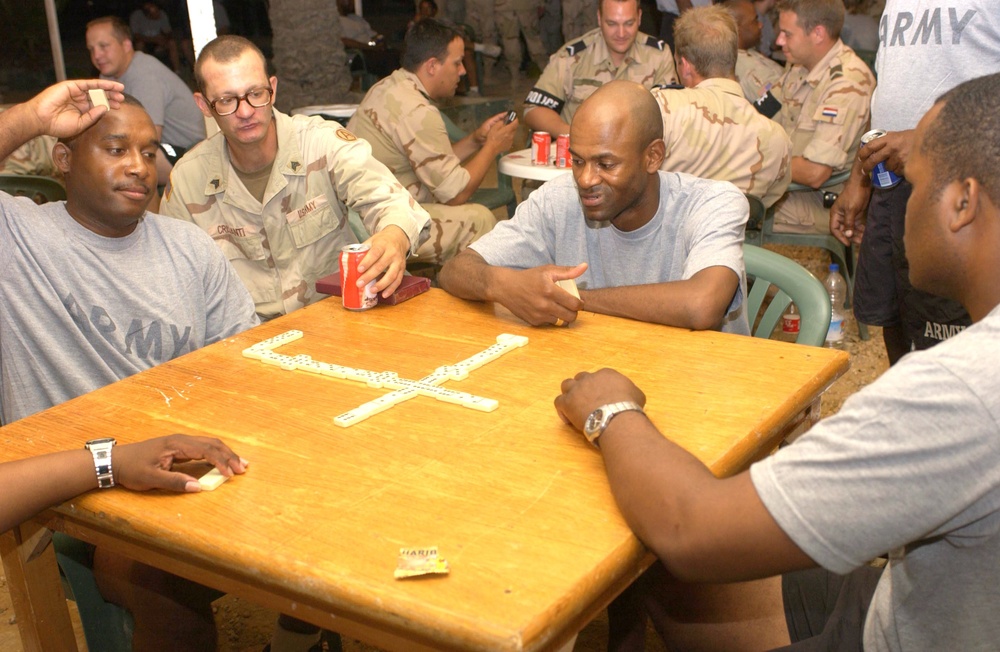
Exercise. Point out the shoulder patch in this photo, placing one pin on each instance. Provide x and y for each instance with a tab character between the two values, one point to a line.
654	42
836	71
576	48
344	134
668	87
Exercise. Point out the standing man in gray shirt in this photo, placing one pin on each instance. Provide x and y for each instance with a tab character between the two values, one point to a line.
168	100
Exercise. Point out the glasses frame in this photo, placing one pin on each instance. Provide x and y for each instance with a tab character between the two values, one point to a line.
243	98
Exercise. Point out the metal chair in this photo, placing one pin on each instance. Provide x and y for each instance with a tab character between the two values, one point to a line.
491	198
794	283
841	254
40	189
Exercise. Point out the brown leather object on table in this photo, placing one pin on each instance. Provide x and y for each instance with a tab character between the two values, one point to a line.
410	287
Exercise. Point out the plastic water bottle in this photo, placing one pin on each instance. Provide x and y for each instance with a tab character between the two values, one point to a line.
836	287
790	324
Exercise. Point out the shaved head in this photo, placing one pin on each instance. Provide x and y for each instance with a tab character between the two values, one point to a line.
628	105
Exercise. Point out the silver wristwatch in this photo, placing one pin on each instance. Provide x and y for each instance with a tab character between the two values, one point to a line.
101	450
599	419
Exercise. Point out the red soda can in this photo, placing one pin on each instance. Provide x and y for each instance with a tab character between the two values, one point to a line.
541	143
355	298
562	151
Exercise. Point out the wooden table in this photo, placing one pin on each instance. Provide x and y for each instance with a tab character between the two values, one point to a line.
518	164
515	500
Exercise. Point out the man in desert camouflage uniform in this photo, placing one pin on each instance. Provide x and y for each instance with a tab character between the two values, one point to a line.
825	95
578	18
273	190
33	157
406	132
479	16
754	71
616	50
710	129
514	18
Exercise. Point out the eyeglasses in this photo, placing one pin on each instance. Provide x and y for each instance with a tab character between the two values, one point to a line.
228	104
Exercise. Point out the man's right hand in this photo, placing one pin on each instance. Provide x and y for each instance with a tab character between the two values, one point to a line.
852	202
64	109
146	465
500	136
892	149
532	294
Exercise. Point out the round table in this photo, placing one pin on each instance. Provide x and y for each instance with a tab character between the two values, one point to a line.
518	164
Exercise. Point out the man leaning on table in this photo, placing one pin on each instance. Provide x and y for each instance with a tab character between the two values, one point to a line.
907	466
273	191
655	246
93	290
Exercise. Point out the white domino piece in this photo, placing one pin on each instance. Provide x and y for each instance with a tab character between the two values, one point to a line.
350	417
512	340
255	352
98	97
435	378
212	480
334	370
569	285
480	403
279	360
280	340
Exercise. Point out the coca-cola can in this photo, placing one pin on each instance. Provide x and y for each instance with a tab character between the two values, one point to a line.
562	151
881	177
541	144
355	298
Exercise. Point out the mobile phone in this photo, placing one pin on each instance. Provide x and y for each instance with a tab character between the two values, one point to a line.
510	117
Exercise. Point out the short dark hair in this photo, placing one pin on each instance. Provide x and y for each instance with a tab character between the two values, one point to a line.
427	39
600	4
119	28
810	13
707	37
964	140
224	49
126	99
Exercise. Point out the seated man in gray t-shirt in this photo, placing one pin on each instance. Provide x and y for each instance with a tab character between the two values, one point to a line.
95	289
654	246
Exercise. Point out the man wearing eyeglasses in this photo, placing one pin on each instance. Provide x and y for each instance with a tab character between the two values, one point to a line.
273	191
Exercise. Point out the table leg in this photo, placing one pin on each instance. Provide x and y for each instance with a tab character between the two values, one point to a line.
36	592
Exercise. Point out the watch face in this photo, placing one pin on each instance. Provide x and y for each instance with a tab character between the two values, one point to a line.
593	423
102	441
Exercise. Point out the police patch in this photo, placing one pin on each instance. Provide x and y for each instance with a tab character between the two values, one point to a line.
576	48
344	134
767	105
540	98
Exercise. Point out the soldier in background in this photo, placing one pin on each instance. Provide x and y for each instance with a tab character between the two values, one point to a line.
616	50
273	190
824	95
710	129
406	132
578	18
515	18
32	158
755	72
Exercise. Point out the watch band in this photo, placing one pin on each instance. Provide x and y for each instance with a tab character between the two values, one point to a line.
101	450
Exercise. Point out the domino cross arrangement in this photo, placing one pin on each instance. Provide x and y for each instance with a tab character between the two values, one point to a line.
403	389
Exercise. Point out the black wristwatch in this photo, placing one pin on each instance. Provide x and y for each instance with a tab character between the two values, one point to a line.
599	419
101	450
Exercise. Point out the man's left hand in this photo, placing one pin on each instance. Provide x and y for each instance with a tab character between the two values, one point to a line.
587	391
387	254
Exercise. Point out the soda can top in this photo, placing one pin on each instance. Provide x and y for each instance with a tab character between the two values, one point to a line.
564	135
872	135
355	248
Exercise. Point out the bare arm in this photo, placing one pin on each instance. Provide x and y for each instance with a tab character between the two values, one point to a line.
701	527
850	205
540	118
699	303
531	294
808	173
61	110
31	485
478	150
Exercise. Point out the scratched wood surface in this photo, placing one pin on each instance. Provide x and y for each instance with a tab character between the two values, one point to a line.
515	500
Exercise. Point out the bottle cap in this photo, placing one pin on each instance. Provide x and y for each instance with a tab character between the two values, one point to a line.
834	267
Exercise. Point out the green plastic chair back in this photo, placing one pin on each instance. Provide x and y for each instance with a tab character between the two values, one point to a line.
794	283
491	198
755	224
839	253
41	189
106	626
